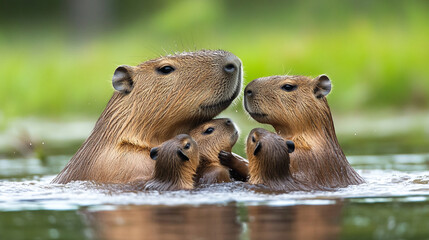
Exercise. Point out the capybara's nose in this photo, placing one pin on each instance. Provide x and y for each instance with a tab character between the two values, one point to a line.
228	122
232	64
249	91
230	68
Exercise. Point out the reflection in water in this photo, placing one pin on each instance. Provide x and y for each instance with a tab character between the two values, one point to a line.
162	222
217	222
295	222
358	218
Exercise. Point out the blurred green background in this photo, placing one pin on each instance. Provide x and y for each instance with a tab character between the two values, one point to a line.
57	57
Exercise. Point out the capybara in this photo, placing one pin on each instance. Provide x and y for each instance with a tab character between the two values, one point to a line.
176	162
153	102
213	137
297	108
269	161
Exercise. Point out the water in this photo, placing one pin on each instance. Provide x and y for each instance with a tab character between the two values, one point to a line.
37	193
392	204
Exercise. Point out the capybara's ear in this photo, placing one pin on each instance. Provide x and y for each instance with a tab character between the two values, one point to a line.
154	153
122	79
290	146
323	86
257	148
182	155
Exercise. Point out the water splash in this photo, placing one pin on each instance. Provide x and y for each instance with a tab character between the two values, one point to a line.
38	193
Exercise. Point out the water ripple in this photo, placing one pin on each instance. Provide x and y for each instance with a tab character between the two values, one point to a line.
38	193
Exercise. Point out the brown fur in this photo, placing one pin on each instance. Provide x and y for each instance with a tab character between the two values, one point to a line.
239	166
270	165
222	138
153	108
171	172
303	116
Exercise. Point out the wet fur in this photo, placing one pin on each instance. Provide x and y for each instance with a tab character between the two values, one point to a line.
304	117
158	108
239	166
171	172
223	138
270	166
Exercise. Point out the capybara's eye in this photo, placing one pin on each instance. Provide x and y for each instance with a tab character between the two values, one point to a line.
187	146
166	70
289	87
208	131
253	139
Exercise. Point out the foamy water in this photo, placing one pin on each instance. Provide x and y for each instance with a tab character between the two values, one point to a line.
38	193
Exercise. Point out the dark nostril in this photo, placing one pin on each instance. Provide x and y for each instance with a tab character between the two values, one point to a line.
230	68
228	122
249	93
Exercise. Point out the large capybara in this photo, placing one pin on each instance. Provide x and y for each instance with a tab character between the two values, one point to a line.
297	108
153	102
213	137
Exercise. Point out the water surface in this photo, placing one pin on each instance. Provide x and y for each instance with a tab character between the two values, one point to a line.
392	204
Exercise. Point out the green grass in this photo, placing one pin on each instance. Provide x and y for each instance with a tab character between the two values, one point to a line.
376	55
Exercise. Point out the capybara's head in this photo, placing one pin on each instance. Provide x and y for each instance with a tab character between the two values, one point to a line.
268	154
176	159
290	101
179	90
214	136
